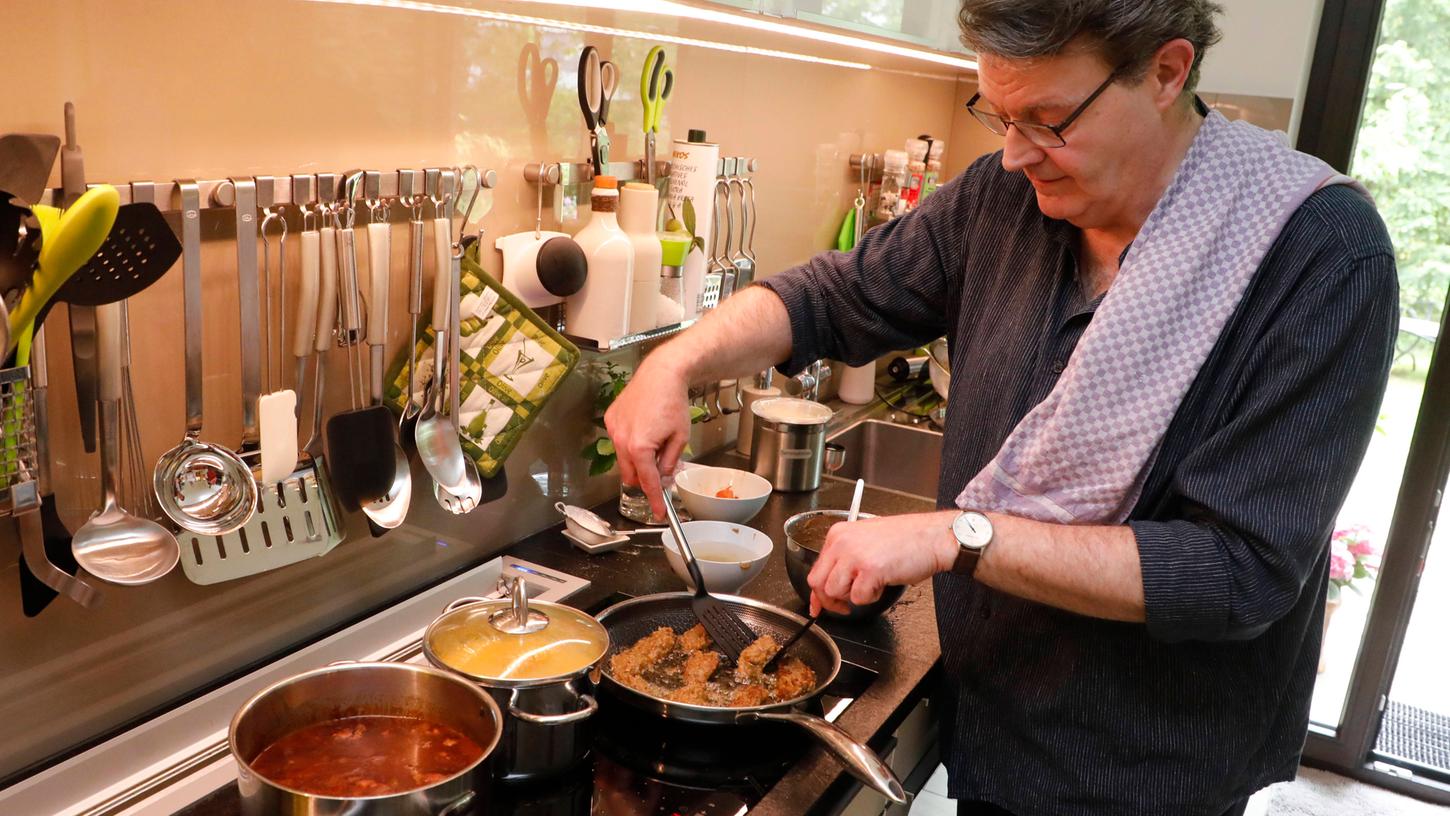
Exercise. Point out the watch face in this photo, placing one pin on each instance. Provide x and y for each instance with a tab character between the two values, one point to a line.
972	530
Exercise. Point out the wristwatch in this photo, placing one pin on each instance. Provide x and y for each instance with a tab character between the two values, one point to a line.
973	532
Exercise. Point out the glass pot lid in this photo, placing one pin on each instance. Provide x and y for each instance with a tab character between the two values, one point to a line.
484	641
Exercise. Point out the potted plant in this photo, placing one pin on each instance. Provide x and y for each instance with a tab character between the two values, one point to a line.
1352	565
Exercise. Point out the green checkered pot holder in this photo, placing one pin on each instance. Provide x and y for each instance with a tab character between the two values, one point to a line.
511	362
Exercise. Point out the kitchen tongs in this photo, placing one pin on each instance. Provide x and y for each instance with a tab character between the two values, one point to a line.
724	627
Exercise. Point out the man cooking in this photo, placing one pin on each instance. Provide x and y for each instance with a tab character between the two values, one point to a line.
1169	337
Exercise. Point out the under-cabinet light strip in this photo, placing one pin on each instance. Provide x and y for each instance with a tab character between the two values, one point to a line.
763	23
567	25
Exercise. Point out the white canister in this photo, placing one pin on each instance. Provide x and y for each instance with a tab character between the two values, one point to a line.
693	165
858	384
638	206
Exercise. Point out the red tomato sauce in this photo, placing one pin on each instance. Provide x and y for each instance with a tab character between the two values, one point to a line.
366	756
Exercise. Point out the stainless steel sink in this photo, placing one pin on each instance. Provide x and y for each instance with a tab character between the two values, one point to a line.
895	457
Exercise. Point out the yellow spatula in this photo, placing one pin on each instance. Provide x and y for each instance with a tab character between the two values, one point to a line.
68	240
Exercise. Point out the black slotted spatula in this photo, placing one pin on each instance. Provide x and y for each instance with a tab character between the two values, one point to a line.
724	627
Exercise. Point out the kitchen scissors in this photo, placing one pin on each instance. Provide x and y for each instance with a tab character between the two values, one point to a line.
597	81
655	86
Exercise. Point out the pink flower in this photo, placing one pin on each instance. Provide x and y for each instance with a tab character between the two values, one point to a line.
1340	568
1361	548
1339	548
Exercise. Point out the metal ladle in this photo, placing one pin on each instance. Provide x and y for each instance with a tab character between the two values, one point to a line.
437	441
202	487
114	545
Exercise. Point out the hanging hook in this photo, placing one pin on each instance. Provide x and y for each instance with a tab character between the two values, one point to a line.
462	173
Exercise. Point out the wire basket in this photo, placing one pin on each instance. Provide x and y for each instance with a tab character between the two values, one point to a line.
19	456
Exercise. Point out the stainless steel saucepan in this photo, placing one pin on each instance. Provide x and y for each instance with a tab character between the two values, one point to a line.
630	620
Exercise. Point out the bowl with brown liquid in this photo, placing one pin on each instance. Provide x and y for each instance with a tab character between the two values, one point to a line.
805	535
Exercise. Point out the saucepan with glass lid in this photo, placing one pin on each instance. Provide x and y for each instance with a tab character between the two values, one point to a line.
534	658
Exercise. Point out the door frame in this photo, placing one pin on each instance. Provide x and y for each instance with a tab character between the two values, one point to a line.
1334	102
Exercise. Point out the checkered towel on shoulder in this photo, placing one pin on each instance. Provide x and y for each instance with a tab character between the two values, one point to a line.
1080	456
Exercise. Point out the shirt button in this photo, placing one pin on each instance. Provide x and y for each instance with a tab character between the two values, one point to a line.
985	612
1058	366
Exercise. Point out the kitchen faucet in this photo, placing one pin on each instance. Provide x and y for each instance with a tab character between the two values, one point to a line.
810	380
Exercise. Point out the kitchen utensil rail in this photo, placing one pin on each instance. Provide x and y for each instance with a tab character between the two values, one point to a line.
297	189
873	162
568	173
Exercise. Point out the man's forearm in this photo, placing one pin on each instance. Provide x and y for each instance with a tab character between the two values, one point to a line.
1089	570
748	332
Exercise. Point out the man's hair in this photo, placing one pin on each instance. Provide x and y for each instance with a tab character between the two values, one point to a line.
1125	33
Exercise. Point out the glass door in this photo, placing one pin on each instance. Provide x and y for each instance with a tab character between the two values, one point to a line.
1381	706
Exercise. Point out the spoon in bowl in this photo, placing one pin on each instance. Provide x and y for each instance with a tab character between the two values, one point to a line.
811	621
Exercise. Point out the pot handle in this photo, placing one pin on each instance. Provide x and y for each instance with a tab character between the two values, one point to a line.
465	601
861	761
460	805
590	705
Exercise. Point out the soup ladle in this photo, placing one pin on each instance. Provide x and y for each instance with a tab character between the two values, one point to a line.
114	545
203	487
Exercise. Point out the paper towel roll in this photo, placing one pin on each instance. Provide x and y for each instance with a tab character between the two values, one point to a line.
692	175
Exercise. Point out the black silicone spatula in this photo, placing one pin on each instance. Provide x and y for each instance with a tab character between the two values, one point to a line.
360	440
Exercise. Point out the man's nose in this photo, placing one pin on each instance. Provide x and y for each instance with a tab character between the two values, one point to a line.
1019	152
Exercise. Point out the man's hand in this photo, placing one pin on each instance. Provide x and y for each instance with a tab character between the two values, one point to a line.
862	558
649	423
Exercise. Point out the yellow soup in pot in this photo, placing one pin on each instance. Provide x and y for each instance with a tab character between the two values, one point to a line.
467	641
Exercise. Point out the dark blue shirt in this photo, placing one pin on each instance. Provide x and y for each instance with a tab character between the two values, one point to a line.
1050	713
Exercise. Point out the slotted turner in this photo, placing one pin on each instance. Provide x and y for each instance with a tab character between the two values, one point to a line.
139	249
725	628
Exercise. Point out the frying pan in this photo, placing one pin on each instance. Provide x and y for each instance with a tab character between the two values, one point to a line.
628	621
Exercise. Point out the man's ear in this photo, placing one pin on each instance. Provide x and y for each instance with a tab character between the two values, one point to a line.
1168	71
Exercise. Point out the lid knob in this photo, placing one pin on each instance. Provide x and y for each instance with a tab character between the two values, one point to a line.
518	619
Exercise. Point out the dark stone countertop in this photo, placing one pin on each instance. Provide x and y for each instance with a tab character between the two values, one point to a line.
901	645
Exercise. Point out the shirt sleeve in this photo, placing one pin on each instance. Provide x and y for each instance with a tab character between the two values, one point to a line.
1260	497
890	292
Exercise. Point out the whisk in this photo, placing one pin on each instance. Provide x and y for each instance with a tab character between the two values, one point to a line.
133	493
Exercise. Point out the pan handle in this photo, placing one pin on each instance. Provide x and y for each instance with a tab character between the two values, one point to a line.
858	759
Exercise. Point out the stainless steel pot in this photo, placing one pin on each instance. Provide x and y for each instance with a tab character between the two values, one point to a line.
356	689
788	446
799	559
547	730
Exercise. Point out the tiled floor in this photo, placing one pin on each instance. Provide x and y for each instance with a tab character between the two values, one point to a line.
1315	792
933	801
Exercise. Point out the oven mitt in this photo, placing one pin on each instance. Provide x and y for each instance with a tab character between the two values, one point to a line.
512	361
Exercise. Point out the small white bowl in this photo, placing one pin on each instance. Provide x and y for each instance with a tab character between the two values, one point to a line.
697	487
729	555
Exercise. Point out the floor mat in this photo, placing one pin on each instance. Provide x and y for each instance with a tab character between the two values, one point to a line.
1416	736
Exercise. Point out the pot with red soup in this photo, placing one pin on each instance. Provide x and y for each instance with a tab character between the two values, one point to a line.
381	739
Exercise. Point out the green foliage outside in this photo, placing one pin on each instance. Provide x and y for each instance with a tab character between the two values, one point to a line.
1403	153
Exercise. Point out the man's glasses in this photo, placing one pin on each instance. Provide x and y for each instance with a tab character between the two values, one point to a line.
1044	136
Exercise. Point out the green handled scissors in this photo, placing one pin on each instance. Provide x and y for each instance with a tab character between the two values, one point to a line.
655	86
